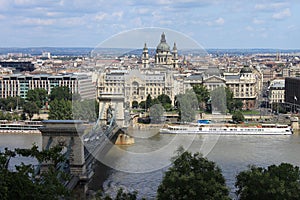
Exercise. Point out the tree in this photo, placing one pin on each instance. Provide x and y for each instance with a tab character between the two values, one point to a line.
121	195
218	100
187	104
192	177
148	102
165	101
202	94
275	182
238	117
60	110
31	108
232	104
85	110
37	95
142	104
22	183
156	113
60	93
11	103
135	104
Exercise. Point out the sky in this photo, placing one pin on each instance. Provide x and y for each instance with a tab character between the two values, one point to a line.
211	23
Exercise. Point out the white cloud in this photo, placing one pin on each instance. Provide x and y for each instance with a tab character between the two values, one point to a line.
118	14
220	21
270	6
24	2
282	14
37	21
249	28
258	21
2	17
101	16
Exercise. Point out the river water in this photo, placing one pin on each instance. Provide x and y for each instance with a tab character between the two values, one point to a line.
141	166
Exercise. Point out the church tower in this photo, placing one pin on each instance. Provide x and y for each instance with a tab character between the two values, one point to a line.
163	55
145	57
175	56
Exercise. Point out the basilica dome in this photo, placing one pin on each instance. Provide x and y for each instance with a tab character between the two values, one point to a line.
163	46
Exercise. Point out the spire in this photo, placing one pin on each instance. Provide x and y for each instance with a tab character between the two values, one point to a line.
174	47
163	38
145	46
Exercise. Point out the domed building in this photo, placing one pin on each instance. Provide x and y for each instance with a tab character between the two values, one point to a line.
163	56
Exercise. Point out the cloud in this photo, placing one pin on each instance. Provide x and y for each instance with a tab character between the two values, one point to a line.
282	14
258	21
37	21
118	14
249	28
2	17
220	21
101	16
270	6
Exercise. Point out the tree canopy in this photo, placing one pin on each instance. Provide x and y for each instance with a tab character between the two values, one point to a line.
60	110
238	117
31	108
39	96
187	104
231	103
60	93
275	182
22	183
202	94
192	177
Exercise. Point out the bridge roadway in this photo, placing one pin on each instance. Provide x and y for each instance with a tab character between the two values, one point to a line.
99	142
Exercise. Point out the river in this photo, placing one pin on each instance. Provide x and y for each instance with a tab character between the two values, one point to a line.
141	166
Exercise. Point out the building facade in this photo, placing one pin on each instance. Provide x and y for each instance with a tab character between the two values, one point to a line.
292	93
276	91
18	84
135	85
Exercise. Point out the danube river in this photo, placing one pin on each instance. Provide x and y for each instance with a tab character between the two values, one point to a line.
141	166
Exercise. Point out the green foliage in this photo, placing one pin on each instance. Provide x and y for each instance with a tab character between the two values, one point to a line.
85	110
31	108
11	103
187	104
60	93
218	100
148	102
202	94
192	177
238	117
156	113
275	182
135	104
121	195
60	110
142	104
232	104
22	182
39	96
278	107
165	101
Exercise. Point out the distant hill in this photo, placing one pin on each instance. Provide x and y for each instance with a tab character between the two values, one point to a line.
84	51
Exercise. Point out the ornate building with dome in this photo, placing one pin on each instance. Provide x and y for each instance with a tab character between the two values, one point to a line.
164	55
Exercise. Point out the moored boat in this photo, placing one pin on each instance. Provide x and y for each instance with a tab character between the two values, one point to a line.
226	129
20	127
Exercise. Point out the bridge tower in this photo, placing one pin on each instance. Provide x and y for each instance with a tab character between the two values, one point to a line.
111	105
67	133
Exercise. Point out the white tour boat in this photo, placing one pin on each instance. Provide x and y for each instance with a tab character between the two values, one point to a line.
228	129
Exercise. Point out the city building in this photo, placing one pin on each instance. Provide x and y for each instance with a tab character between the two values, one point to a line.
163	56
135	85
276	91
292	93
18	84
